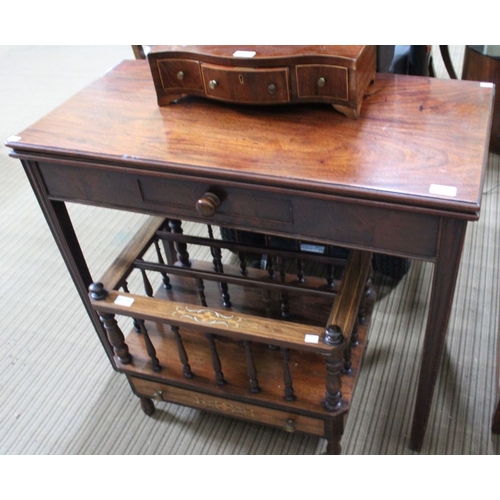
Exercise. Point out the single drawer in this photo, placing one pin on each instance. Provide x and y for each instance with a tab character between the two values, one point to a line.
343	222
226	202
180	74
169	196
246	85
288	421
321	80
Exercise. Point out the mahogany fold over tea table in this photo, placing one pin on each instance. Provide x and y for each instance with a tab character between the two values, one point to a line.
404	179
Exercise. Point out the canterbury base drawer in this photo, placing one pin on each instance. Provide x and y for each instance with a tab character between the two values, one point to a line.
235	409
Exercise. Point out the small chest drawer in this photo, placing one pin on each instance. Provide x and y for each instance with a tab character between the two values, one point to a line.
180	74
321	80
287	420
245	84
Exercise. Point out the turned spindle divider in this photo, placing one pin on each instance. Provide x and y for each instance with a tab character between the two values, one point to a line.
278	342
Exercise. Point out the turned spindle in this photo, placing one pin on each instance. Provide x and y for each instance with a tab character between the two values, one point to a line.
334	365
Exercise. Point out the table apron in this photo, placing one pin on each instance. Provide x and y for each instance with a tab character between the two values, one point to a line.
342	221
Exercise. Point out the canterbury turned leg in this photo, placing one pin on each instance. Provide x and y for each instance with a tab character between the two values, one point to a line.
449	251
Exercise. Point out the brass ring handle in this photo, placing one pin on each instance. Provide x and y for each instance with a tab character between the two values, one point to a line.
207	204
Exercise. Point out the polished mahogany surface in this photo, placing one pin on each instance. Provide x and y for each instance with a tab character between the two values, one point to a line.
419	141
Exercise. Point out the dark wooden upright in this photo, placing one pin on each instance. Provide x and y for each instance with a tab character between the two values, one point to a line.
404	179
483	68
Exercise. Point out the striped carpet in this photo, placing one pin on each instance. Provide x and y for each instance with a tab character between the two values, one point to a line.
59	395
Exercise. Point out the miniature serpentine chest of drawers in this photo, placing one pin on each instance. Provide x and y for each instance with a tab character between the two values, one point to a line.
265	74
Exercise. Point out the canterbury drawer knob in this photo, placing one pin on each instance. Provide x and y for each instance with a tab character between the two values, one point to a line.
207	204
180	75
321	82
272	88
212	84
158	395
289	426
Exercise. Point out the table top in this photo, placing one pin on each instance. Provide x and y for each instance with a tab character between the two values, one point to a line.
419	141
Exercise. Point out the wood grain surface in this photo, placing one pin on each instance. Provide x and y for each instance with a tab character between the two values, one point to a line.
413	133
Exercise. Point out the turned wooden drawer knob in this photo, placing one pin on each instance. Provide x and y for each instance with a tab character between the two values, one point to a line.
207	205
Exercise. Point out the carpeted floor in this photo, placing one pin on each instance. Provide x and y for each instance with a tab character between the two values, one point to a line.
60	396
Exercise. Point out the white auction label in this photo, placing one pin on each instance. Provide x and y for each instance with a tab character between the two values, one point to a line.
443	190
124	301
311	339
244	53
